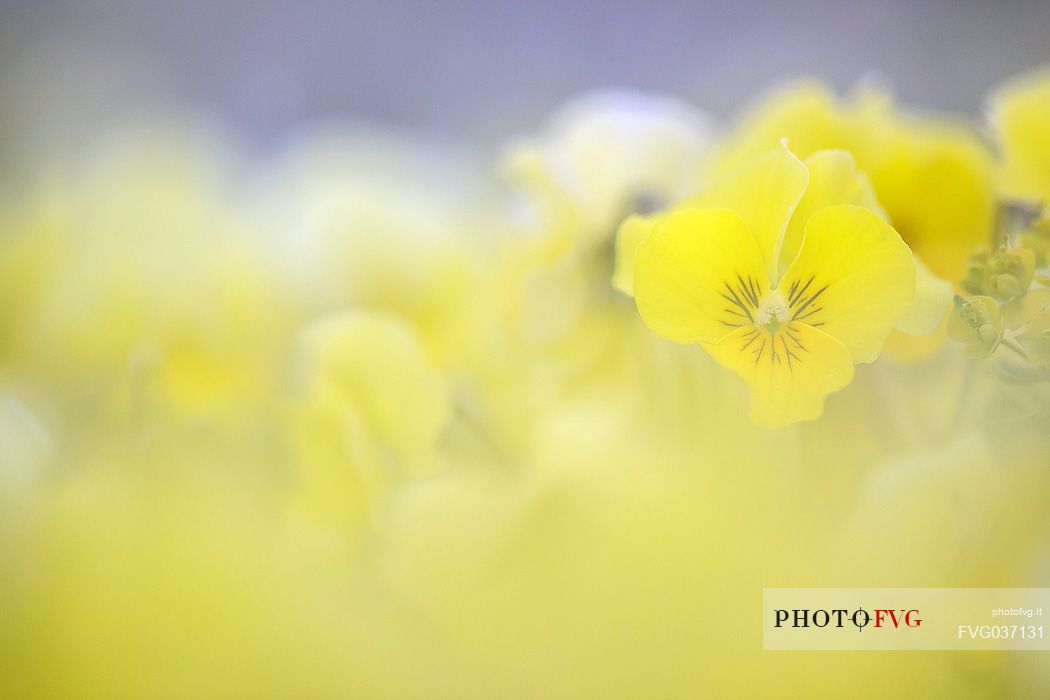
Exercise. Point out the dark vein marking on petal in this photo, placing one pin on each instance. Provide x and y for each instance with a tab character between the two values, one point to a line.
812	298
799	293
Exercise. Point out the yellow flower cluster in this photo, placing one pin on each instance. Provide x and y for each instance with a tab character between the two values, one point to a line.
359	421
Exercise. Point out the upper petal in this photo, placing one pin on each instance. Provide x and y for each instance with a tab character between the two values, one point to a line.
764	192
698	275
853	278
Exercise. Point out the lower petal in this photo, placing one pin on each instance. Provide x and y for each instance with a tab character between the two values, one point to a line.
790	371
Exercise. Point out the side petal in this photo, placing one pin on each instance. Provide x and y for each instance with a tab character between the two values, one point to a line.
853	278
764	192
698	275
632	231
833	179
790	371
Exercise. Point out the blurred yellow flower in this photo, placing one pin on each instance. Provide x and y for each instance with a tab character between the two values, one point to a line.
559	327
143	273
605	154
371	408
377	221
1018	112
712	276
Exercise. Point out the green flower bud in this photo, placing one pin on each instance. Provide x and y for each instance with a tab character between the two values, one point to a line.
976	272
1003	274
1003	286
977	323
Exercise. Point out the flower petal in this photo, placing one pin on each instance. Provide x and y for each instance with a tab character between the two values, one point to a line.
632	231
933	299
790	370
698	275
833	179
377	364
764	192
1018	110
853	278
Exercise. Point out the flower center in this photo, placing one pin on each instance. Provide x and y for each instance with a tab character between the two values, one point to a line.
773	311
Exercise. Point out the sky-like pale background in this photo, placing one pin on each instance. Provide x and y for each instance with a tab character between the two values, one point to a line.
478	70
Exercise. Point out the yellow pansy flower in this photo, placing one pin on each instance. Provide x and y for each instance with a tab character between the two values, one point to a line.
710	272
1019	112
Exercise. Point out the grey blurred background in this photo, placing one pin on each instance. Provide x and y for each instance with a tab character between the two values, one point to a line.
476	71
